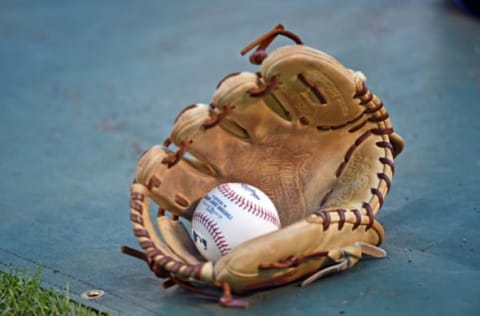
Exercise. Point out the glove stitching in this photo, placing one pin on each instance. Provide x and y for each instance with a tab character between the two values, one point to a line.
265	40
366	98
377	106
384	177
136	219
360	88
267	88
154	182
173	158
327	220
376	192
387	162
358	217
382	131
188	107
161	264
341	222
380	118
384	144
370	214
325	197
215	118
339	126
233	74
373	106
314	89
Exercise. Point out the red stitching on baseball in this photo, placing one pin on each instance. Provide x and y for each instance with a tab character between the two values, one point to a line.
214	231
250	207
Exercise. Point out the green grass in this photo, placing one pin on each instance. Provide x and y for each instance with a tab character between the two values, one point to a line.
21	294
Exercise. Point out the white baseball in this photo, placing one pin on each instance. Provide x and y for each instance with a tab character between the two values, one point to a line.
229	215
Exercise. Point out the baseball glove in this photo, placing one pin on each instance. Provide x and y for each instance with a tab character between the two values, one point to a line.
308	133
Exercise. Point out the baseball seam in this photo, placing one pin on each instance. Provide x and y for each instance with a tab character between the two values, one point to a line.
249	206
214	231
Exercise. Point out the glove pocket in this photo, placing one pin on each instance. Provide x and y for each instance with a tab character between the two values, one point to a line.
298	250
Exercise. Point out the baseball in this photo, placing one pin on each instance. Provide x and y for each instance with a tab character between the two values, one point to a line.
229	215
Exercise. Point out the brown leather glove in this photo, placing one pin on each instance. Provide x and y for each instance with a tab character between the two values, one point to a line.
308	133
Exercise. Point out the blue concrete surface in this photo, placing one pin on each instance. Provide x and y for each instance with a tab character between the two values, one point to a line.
85	86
